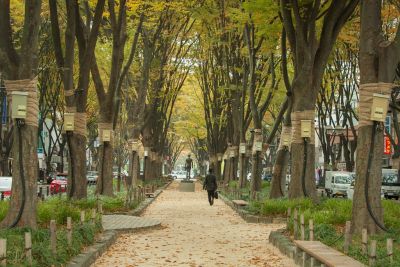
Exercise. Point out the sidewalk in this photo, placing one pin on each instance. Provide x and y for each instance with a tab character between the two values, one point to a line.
195	234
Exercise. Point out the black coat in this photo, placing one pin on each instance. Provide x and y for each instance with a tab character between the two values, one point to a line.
210	183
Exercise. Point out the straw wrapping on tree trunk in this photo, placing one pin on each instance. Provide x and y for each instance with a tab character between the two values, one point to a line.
30	87
367	92
297	117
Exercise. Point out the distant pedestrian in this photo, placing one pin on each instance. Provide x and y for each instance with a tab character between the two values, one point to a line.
210	184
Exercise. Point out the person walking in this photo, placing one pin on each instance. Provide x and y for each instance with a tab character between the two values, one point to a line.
210	184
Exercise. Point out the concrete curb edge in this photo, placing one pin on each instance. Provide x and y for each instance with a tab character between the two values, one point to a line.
107	238
249	217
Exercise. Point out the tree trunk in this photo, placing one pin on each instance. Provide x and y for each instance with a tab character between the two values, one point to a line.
105	180
302	183
361	217
147	169
377	64
242	170
134	170
22	211
27	201
279	174
77	184
227	170
256	173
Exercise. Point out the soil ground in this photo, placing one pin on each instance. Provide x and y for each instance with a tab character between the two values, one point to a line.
195	234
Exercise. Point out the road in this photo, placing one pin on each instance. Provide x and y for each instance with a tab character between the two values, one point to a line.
195	234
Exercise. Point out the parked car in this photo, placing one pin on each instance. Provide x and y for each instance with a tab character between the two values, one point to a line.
248	177
174	175
91	177
59	185
115	172
264	176
267	177
178	174
337	183
5	186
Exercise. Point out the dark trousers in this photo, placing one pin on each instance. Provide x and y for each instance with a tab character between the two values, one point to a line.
211	196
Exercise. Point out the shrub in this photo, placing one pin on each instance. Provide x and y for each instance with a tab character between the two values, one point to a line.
280	206
58	209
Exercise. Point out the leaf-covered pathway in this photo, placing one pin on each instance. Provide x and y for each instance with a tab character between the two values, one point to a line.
195	234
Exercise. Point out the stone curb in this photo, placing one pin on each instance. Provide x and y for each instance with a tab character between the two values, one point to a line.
89	256
147	201
283	243
249	217
107	238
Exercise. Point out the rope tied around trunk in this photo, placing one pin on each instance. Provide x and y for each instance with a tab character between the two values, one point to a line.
367	92
30	87
297	117
286	131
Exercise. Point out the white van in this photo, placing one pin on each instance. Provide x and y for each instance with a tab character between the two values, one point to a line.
337	183
390	183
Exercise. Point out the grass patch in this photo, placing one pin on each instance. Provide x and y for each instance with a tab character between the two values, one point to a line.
330	216
245	192
83	235
59	208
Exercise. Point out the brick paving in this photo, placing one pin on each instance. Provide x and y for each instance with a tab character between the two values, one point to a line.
126	222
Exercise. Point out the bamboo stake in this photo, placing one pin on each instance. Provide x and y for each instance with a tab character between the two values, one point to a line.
82	216
28	247
3	252
364	240
295	223
53	237
389	247
311	226
69	231
372	255
302	228
347	237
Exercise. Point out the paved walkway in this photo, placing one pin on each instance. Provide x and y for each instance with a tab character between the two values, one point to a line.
125	222
195	234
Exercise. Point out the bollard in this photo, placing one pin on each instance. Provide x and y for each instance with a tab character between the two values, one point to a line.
311	226
69	231
389	248
364	240
295	223
302	227
347	237
289	211
94	216
100	208
3	252
53	237
372	254
82	216
47	191
28	247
